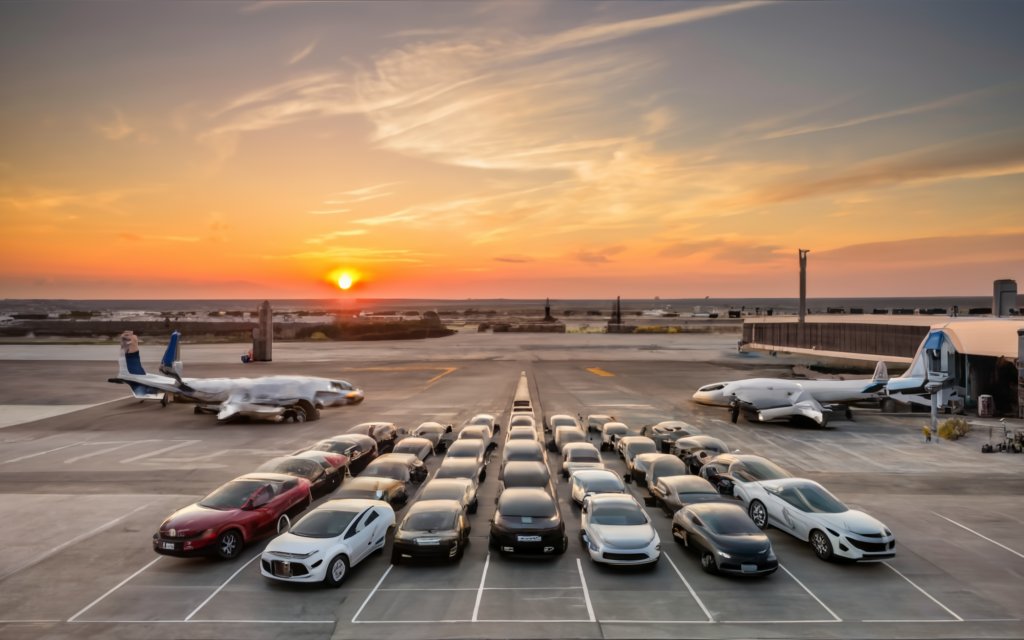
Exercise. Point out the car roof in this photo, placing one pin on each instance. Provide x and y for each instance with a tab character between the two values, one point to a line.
701	508
449	482
367	482
616	425
398	457
466	443
650	457
635	439
413	440
449	463
701	439
431	424
349	504
350	437
280	459
265	476
570	446
613	498
598	416
523	445
448	506
593	474
687	483
665	461
474	428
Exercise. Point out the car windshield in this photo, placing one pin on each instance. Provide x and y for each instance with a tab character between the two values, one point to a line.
443	492
730	522
528	477
408	447
690	497
752	469
481	420
641	446
669	467
534	506
616	429
464	449
324	524
448	470
233	495
429	521
608	484
563	422
812	499
583	455
523	454
387	469
617	514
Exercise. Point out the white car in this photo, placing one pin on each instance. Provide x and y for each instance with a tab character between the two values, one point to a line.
610	434
592	481
563	420
580	455
522	421
484	420
328	541
521	433
616	530
807	511
596	421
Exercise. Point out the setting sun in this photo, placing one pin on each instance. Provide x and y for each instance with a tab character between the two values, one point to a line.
345	281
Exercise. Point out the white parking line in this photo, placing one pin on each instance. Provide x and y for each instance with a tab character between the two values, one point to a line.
224	584
102	451
115	588
998	544
930	597
480	591
586	592
370	595
41	453
37	559
181	443
693	593
816	599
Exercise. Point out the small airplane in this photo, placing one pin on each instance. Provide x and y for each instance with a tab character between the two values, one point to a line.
275	398
771	399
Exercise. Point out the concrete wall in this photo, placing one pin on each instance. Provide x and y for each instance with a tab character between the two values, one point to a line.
848	337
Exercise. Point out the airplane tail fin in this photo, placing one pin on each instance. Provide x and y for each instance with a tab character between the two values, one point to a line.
881	373
129	361
170	364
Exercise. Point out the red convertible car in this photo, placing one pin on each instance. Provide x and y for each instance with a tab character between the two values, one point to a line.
245	509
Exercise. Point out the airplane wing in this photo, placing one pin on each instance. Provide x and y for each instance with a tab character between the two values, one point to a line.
764	405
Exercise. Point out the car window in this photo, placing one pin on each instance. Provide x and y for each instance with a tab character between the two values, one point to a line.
323	524
373	516
232	495
731	522
288	485
811	499
356	526
429	521
584	455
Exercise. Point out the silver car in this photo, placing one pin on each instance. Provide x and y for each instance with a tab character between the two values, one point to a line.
615	529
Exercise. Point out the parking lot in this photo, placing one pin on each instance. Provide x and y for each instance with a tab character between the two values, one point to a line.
83	492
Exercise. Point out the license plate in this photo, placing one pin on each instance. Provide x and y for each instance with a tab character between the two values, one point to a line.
167	545
528	538
748	568
283	569
428	541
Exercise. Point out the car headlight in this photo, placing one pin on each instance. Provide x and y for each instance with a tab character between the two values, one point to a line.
723	554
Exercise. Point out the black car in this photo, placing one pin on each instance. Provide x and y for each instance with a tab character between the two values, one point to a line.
419	447
435	432
387	489
668	431
432	529
468	468
385	433
528	522
729	469
361	450
672	493
462	490
400	466
526	473
696	450
321	481
725	538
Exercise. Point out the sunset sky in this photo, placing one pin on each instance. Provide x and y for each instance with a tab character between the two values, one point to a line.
510	149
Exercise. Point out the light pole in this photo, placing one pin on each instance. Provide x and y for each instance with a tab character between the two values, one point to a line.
803	297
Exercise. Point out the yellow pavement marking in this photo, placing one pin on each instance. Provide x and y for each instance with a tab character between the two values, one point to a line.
597	371
441	375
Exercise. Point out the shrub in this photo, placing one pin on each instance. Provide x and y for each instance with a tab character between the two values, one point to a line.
954	428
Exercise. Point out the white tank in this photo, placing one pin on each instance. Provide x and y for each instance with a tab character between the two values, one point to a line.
1004	297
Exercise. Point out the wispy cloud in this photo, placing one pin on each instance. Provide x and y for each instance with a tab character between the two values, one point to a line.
514	260
599	255
357	255
732	249
302	54
119	128
136	237
334	235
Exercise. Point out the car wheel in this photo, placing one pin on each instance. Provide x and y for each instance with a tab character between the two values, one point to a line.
759	514
229	544
565	545
336	571
707	562
459	550
680	535
283	524
396	557
473	506
298	414
821	545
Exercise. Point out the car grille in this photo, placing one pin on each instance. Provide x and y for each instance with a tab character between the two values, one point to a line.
869	535
624	556
290	556
873	547
284	569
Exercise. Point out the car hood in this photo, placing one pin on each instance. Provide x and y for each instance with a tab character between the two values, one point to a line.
291	543
853	521
743	544
624	536
576	466
194	519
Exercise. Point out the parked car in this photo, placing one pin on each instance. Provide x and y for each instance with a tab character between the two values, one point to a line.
400	466
321	481
462	490
666	432
696	450
385	434
662	468
562	420
470	468
596	422
637	469
468	448
237	513
432	529
394	492
580	455
611	433
419	447
528	521
672	493
615	529
361	450
632	446
565	435
521	433
520	450
485	420
331	462
522	420
807	511
330	540
739	475
435	432
526	473
585	482
478	433
724	538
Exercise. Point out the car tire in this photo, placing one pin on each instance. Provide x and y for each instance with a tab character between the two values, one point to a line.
679	534
337	570
821	544
459	551
396	558
758	513
564	547
229	544
707	562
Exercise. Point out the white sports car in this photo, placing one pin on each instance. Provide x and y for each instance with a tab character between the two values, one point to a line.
807	511
328	541
617	530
